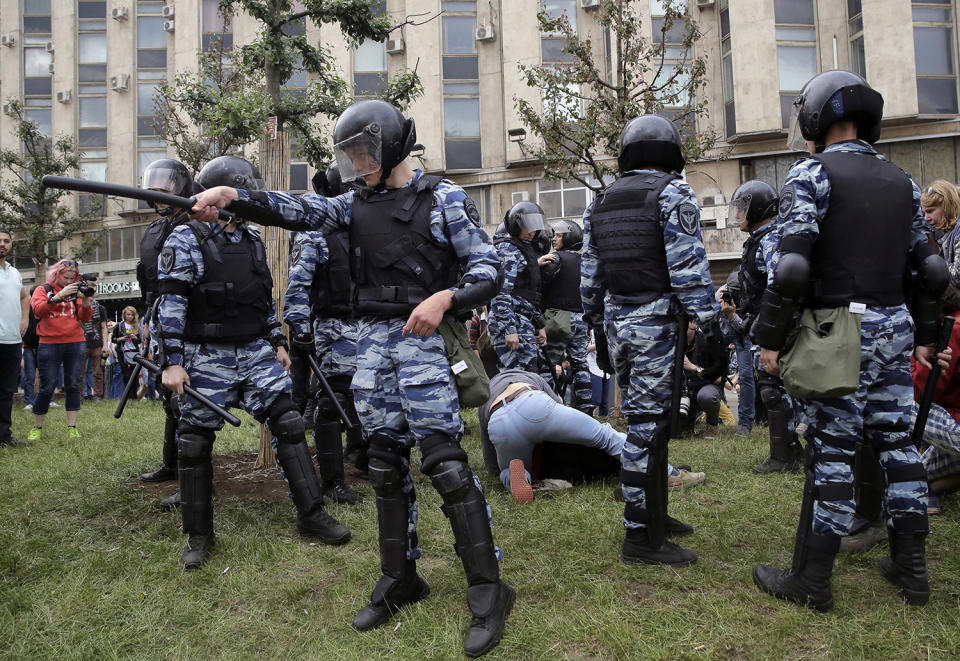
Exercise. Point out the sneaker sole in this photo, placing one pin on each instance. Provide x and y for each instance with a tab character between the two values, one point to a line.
520	488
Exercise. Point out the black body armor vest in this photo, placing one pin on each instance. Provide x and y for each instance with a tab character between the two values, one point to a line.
752	281
861	253
331	291
626	230
395	261
150	246
528	284
563	292
232	301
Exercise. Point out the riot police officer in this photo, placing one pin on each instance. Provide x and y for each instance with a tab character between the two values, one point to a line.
643	263
418	253
215	311
754	210
317	308
843	192
515	323
561	298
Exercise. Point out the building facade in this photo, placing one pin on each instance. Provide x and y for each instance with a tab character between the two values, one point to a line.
90	69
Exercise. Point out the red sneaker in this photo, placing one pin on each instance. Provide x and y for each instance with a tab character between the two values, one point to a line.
519	484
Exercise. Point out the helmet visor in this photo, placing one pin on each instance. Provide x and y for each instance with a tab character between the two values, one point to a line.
165	179
531	221
795	139
359	155
738	208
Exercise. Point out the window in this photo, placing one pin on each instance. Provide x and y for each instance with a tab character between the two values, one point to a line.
858	61
933	48
217	27
369	68
117	243
796	50
677	94
37	62
562	199
726	65
36	17
551	45
461	87
91	106
151	72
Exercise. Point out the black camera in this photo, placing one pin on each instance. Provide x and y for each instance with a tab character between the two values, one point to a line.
85	280
727	298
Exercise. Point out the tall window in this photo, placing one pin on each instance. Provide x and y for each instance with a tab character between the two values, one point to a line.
217	28
858	62
796	50
92	92
369	68
562	199
933	47
726	64
151	72
461	86
551	45
676	96
36	60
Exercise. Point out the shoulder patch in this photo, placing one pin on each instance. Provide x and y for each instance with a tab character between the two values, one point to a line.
168	258
689	217
472	213
295	253
788	197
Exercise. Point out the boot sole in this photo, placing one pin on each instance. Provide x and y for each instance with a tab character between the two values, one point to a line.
912	597
332	541
503	625
820	608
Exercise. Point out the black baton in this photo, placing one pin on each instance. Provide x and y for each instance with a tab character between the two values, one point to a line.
132	192
930	387
327	389
190	390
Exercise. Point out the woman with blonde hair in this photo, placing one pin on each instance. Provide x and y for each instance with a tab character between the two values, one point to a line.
126	337
940	202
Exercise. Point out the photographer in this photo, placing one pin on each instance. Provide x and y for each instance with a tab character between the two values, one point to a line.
704	380
95	335
62	304
735	328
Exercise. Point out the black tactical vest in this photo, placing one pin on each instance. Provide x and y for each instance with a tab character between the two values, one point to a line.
150	246
625	227
231	303
331	291
861	252
563	292
394	259
753	281
527	284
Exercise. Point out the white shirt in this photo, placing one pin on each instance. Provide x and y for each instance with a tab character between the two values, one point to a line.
11	284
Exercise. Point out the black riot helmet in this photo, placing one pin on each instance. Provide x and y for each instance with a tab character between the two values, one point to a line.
571	232
523	217
168	176
650	140
371	135
830	97
328	183
542	241
231	171
756	200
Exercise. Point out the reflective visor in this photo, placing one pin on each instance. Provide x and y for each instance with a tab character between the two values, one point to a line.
166	180
738	208
795	139
531	221
358	155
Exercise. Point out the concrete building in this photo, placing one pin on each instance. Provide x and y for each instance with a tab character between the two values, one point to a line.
89	68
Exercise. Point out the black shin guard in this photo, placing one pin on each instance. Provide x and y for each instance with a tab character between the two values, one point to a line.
393	511
326	436
170	450
196	479
868	483
294	456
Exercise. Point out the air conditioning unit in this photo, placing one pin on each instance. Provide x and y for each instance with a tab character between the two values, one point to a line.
589	4
119	13
395	46
519	196
8	40
50	68
706	4
168	26
64	96
486	33
120	82
168	11
8	109
49	47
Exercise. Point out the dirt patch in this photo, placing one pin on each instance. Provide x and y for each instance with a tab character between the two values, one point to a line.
639	592
235	475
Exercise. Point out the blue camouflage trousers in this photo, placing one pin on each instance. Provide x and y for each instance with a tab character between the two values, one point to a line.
879	412
574	348
246	375
336	344
641	349
525	357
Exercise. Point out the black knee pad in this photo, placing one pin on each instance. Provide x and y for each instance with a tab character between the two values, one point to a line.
196	444
386	465
452	478
440	447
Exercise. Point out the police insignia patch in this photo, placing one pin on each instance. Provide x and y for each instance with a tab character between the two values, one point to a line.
472	213
167	260
295	254
689	218
787	197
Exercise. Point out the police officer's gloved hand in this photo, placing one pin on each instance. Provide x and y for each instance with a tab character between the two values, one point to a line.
302	342
603	351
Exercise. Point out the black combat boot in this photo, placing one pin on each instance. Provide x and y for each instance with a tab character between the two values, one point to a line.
906	566
808	581
326	436
312	519
168	471
785	450
638	548
390	595
196	490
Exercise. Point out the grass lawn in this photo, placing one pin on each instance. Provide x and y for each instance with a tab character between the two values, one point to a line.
89	567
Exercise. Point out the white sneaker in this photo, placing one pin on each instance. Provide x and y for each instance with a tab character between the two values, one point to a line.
54	405
684	480
551	484
28	407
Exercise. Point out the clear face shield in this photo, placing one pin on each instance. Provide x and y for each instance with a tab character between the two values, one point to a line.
795	139
163	179
360	154
738	208
531	221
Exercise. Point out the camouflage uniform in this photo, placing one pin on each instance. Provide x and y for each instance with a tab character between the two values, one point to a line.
574	349
879	411
642	338
512	314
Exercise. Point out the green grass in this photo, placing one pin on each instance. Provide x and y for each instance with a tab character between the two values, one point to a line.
89	568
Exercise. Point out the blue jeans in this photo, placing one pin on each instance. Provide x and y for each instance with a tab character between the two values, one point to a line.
28	377
746	409
50	358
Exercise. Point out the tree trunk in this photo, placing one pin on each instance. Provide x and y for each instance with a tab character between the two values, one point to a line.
274	167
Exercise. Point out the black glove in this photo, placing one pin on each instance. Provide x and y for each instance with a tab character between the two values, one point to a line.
603	352
302	342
